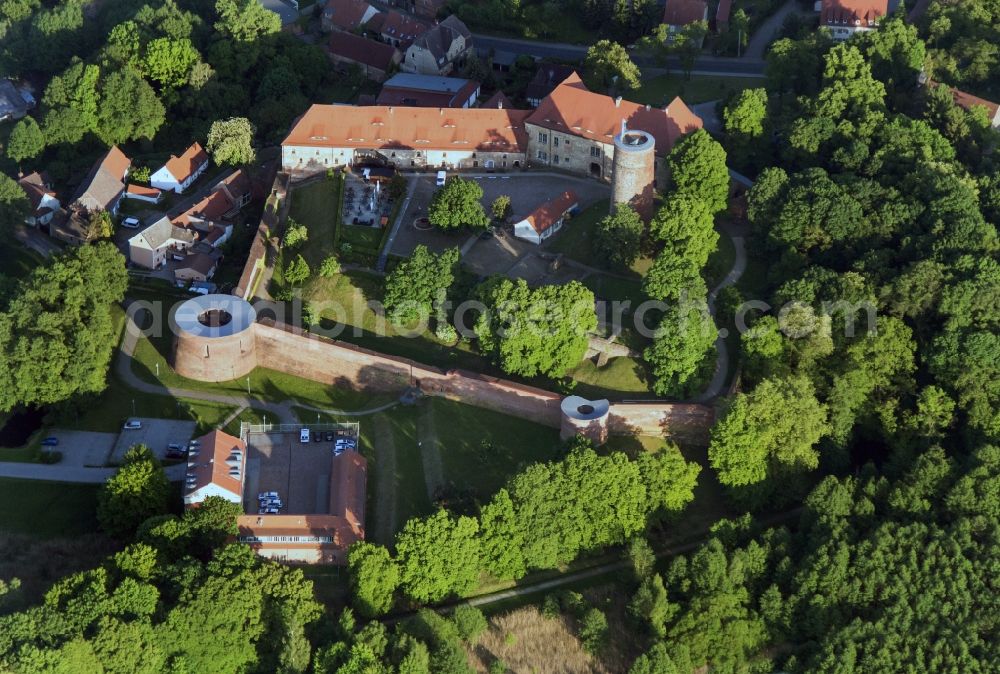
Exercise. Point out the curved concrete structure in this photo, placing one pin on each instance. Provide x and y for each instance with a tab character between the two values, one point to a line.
589	418
215	338
633	179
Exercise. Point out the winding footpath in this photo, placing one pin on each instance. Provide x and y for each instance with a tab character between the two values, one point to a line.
718	383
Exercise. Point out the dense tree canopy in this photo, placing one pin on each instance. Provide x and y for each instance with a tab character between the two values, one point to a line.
137	491
57	335
417	283
458	204
535	331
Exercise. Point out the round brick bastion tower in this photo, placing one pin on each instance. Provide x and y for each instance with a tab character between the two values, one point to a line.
215	338
633	178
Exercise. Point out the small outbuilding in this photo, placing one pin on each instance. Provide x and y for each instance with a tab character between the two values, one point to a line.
547	219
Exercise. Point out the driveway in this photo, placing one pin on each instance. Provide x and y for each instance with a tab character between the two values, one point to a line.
768	30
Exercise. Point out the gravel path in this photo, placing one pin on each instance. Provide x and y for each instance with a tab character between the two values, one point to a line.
718	383
430	454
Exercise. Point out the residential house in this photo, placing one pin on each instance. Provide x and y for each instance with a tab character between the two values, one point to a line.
44	203
440	50
212	215
328	136
104	185
179	172
969	102
844	18
498	100
346	15
546	79
398	30
217	468
428	8
547	219
376	59
680	13
428	91
574	128
315	539
151	247
69	227
722	13
14	102
198	267
143	193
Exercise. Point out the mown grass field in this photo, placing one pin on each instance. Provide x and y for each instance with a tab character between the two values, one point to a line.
48	509
659	91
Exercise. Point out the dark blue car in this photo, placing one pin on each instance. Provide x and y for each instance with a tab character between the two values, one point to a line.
50	442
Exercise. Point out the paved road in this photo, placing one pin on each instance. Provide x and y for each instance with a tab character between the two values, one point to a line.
35	240
718	383
768	30
706	65
384	255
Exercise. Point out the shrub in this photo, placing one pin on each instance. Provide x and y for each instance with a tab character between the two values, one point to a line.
470	621
593	630
329	267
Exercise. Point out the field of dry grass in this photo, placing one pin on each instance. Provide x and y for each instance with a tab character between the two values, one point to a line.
529	643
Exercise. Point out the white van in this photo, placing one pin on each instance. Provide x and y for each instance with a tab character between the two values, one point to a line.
304	435
131	223
441	178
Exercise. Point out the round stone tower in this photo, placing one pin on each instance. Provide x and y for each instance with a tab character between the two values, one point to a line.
633	177
588	418
215	338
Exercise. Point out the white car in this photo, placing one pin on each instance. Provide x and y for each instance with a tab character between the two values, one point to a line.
132	425
304	435
130	222
442	177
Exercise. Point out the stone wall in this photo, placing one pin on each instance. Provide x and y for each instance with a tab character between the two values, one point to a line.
288	349
688	422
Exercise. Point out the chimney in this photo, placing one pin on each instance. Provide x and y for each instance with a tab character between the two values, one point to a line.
647	107
618	101
390	109
441	111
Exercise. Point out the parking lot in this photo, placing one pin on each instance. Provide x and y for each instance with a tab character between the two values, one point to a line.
299	472
82	449
156	434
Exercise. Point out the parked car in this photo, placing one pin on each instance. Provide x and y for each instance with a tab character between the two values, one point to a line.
304	435
442	178
176	453
130	222
132	425
50	442
328	436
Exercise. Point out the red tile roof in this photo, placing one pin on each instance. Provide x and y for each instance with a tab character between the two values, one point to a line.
212	465
211	207
399	26
722	11
967	101
362	50
345	14
342	532
852	12
498	100
115	162
572	108
143	191
347	488
34	185
683	12
550	212
181	168
489	130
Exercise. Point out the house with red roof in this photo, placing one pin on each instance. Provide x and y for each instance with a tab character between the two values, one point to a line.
346	15
573	129
376	59
42	197
143	193
968	102
680	13
179	172
844	18
216	468
104	185
547	219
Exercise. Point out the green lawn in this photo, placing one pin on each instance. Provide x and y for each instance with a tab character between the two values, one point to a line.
315	206
659	91
576	241
535	25
17	260
361	236
482	449
620	378
48	509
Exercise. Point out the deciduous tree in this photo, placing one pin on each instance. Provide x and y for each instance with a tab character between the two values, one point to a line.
230	142
458	204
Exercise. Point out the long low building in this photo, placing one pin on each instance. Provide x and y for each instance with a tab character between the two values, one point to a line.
572	129
337	135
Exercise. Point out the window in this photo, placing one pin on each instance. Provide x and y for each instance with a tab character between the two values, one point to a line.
544	156
595	151
555	159
543	137
555	141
